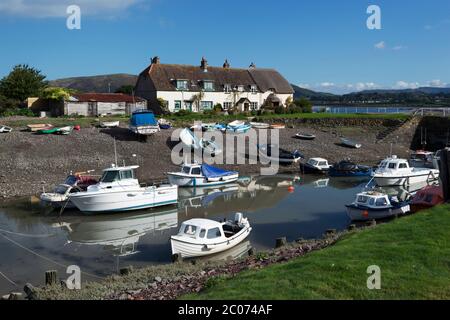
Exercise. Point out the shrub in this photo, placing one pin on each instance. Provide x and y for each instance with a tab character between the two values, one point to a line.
279	110
18	112
183	113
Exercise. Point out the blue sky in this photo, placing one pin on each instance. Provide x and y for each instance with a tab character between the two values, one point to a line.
322	44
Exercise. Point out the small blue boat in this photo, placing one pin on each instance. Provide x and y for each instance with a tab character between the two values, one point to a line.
347	168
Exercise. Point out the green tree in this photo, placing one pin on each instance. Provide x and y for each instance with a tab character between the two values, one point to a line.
7	104
22	82
304	104
126	89
56	93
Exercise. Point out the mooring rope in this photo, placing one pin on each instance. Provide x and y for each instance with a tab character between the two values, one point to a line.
45	258
8	279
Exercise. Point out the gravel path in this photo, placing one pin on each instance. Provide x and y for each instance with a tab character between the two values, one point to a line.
31	162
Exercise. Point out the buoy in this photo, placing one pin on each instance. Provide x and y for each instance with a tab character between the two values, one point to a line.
291	189
77	128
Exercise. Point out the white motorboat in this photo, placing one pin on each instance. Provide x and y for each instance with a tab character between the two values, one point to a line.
5	129
196	175
275	154
65	130
351	144
397	172
305	136
119	190
202	237
260	125
190	140
238	126
315	166
371	205
422	158
111	124
143	122
60	195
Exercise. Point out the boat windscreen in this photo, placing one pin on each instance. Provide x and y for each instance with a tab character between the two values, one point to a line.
110	176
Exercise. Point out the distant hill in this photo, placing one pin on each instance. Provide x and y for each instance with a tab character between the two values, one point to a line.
310	94
98	84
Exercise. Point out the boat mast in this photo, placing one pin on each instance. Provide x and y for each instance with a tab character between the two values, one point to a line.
115	152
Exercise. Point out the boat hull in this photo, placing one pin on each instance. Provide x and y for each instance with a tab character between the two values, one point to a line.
365	214
200	181
125	200
145	130
187	249
385	181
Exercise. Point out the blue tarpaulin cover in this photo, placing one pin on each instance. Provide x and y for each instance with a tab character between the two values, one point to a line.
143	118
212	172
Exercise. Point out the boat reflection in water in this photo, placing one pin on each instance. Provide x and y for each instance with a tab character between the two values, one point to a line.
118	233
239	251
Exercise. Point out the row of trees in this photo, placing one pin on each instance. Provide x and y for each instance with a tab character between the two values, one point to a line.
24	82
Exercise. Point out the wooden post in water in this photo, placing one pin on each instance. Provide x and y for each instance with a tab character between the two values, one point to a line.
445	173
51	277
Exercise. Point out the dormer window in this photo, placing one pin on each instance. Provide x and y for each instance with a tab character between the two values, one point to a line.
208	85
240	88
227	88
253	88
182	85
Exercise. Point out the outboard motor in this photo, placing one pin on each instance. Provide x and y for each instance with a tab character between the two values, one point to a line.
238	218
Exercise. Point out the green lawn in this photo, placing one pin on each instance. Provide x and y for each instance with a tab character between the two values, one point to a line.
413	254
188	119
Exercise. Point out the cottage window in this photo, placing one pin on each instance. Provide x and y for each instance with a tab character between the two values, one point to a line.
227	105
208	86
206	105
254	105
182	84
253	88
177	105
227	88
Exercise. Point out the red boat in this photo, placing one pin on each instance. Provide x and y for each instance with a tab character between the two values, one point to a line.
427	197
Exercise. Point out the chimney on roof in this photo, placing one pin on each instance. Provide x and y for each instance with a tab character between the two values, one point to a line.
252	66
204	64
226	64
155	60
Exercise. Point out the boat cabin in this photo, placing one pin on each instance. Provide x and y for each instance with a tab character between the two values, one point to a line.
210	230
319	163
375	200
192	169
120	175
393	164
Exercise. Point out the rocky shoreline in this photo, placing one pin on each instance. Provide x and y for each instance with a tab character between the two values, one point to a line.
169	282
32	163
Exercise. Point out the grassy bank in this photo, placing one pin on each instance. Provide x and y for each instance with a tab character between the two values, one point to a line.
413	254
190	118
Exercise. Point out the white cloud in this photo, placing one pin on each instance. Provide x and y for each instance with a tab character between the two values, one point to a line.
398	48
437	83
57	8
406	85
380	45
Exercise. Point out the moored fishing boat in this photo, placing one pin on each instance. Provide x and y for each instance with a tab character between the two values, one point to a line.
37	127
397	172
143	122
273	153
5	129
346	168
426	198
238	127
260	125
305	136
370	205
190	140
202	237
315	166
60	196
111	124
422	158
196	175
350	143
119	190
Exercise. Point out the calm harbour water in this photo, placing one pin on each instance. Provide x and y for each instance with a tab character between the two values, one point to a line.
33	241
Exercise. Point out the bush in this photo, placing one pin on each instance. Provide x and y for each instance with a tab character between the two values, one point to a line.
18	112
279	110
183	113
218	108
293	109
